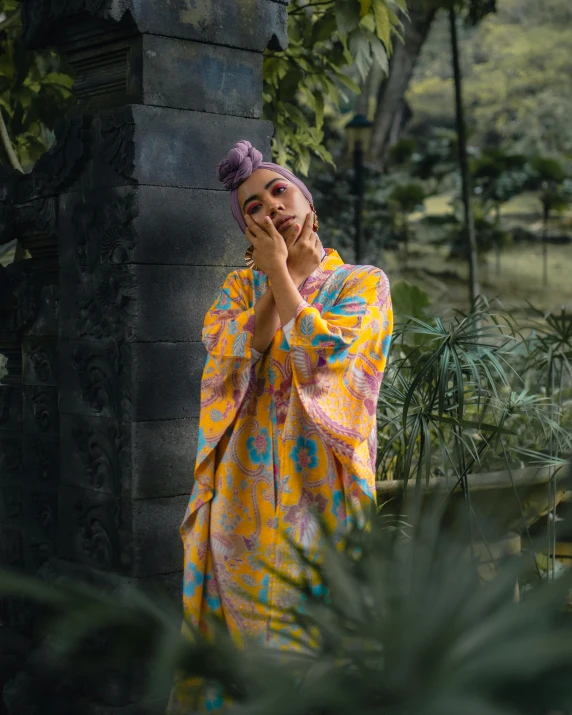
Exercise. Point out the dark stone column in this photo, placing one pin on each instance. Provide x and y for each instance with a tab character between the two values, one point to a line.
130	236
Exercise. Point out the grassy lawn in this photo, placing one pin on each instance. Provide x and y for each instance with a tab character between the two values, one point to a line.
520	276
519	281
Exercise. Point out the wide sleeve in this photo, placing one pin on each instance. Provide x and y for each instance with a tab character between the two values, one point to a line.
228	329
227	335
338	354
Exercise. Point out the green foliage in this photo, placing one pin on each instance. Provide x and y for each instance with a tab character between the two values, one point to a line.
548	177
499	176
400	624
516	65
35	89
456	396
335	205
409	301
306	83
407	198
302	85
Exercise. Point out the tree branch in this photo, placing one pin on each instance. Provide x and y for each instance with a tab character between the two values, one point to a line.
299	10
7	144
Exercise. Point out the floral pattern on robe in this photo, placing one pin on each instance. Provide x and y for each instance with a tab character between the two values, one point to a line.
293	433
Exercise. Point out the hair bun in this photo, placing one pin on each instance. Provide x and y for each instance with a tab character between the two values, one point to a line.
238	164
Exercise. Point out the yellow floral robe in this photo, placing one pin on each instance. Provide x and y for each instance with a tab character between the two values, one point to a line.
293	432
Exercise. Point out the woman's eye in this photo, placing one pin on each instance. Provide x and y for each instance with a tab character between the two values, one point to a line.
279	190
253	209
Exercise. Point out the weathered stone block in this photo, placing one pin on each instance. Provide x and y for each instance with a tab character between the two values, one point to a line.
136	381
148	224
138	303
163	456
157	545
201	77
136	538
187	227
172	301
248	24
168	377
167	147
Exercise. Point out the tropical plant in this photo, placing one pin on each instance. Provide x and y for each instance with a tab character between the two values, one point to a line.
454	398
306	81
35	90
301	84
399	624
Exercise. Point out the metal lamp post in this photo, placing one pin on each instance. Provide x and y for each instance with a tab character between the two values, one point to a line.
358	129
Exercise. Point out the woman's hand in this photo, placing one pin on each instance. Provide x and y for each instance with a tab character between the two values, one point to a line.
304	251
270	251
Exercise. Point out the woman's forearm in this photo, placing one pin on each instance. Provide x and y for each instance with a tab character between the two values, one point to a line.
267	322
286	295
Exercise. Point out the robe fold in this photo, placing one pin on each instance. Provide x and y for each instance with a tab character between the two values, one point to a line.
280	438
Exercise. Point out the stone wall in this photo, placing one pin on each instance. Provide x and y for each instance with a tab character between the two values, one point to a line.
130	236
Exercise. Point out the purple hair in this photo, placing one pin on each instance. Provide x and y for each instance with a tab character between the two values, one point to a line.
239	164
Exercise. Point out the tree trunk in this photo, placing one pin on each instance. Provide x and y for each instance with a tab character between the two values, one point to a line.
392	90
464	163
546	215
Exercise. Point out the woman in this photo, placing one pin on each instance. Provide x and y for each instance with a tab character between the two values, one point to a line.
297	346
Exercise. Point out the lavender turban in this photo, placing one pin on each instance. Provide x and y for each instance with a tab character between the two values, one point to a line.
239	164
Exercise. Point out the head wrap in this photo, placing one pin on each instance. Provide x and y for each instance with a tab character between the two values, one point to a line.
239	164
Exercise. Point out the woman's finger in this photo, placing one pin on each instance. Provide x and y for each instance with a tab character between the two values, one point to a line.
308	226
253	226
270	228
254	238
292	235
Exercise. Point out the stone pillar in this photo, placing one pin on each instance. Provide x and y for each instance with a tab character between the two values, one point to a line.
130	236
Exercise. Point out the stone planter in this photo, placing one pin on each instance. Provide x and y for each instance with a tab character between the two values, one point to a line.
504	501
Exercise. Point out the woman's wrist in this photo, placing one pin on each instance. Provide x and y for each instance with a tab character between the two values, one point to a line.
286	295
298	278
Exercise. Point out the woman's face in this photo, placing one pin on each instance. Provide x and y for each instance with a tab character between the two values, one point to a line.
266	193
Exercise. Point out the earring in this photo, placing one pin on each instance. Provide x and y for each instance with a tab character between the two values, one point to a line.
248	258
316	225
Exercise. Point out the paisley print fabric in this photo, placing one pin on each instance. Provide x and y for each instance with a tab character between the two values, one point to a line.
291	434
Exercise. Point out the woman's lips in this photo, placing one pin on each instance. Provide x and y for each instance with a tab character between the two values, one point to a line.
285	222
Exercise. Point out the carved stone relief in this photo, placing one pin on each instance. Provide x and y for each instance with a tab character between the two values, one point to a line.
39	357
41	461
97	531
101	450
100	371
21	309
102	227
117	140
40	410
62	164
106	303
